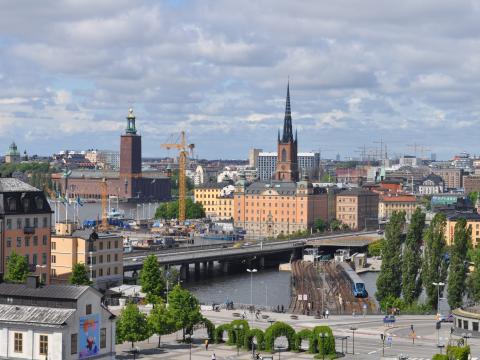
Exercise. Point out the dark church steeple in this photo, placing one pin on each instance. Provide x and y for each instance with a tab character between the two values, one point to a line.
287	163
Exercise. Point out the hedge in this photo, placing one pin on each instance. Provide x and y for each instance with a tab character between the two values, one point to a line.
458	352
305	334
440	357
219	330
257	334
323	348
210	329
279	329
232	333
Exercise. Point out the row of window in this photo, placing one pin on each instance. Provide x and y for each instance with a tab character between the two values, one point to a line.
18	344
264	219
34	259
27	222
25	242
465	325
101	272
92	260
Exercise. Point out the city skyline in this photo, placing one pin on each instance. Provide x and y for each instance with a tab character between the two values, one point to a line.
404	74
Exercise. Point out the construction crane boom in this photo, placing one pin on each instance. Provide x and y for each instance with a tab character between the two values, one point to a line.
184	150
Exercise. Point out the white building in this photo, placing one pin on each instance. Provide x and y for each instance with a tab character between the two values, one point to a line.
54	322
109	159
267	164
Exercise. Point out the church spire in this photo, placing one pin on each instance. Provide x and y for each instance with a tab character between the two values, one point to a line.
287	122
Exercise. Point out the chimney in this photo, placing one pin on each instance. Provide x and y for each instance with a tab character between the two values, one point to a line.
33	281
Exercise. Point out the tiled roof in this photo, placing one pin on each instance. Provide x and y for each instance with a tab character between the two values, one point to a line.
15	185
214	185
65	292
281	187
29	315
399	198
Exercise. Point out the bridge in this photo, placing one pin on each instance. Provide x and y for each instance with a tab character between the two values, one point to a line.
227	255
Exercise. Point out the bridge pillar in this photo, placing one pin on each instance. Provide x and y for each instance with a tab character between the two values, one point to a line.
205	267
185	272
225	267
261	262
210	267
197	270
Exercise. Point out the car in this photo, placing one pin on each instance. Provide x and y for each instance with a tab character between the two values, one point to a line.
247	244
379	232
446	318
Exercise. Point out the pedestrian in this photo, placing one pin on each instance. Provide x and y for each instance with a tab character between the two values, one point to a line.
324	314
389	340
327	312
214	357
283	309
353	313
206	344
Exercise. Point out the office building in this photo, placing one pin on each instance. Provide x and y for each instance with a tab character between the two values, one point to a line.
308	162
452	177
358	209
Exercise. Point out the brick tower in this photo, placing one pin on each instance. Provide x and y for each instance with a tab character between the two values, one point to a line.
287	163
130	158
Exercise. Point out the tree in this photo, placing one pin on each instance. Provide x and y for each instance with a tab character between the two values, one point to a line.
169	210
80	275
184	308
412	262
389	282
160	321
434	267
17	268
457	272
335	225
152	279
375	248
473	196
474	278
132	325
320	225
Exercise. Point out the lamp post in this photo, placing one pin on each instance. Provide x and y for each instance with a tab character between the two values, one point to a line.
190	338
438	284
251	271
382	336
353	328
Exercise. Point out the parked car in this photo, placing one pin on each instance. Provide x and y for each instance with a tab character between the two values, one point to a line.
379	232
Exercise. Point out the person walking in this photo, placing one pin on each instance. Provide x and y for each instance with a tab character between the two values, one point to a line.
324	314
214	357
327	312
206	344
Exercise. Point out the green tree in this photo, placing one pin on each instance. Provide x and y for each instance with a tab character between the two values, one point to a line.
457	272
320	225
389	282
335	225
132	325
152	279
184	308
474	278
160	321
169	210
375	248
17	268
473	196
434	266
79	275
412	262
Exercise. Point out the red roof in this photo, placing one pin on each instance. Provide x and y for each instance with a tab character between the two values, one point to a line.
399	198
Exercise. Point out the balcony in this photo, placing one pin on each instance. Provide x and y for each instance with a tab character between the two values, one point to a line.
29	230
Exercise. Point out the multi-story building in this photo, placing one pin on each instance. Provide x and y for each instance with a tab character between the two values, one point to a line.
108	159
216	199
473	222
351	176
308	162
253	157
471	183
55	322
358	208
282	204
13	155
101	252
389	203
25	226
409	160
452	177
432	184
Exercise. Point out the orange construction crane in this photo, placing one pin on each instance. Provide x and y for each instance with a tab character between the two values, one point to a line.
104	226
184	150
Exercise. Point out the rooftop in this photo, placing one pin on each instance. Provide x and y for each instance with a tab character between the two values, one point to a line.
64	292
398	198
464	215
356	192
15	185
44	316
282	187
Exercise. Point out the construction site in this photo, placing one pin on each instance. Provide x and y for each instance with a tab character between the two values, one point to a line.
324	285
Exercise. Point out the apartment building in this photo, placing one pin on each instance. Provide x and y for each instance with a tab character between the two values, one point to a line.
452	177
216	199
389	203
101	252
473	222
358	208
25	226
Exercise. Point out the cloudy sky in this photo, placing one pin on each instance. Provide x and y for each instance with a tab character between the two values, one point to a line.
360	71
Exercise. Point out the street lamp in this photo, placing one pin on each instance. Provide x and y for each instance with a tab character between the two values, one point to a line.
190	338
251	271
438	284
353	328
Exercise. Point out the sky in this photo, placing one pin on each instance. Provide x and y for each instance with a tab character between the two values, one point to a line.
404	72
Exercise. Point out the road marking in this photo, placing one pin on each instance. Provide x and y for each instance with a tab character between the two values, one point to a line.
372	352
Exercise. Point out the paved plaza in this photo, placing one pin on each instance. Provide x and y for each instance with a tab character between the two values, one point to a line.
368	344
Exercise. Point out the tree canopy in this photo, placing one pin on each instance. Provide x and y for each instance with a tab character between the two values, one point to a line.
80	275
457	272
17	268
184	308
160	321
169	210
131	325
152	279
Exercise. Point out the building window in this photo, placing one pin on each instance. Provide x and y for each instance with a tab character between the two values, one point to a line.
27	222
115	270
73	343
475	326
100	272
116	244
100	245
44	239
465	324
54	259
54	245
100	259
34	260
108	257
108	271
109	245
35	240
27	241
19	242
9	224
88	309
19	223
45	222
116	257
9	242
18	342
44	258
43	344
27	257
103	338
35	222
94	274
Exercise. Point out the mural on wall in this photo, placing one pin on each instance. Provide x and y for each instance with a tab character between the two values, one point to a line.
89	336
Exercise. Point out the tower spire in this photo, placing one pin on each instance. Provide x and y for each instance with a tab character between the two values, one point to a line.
287	122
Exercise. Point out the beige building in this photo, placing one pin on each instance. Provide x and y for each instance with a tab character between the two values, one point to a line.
390	203
473	222
452	177
216	199
101	252
358	208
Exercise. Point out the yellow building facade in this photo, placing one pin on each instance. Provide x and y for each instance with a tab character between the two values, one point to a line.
216	199
473	222
390	203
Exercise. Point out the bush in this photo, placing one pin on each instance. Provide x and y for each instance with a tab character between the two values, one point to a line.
210	329
324	345
232	333
375	248
219	330
440	357
304	334
458	352
257	334
279	329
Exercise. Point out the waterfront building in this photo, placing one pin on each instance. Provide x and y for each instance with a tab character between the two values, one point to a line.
129	183
216	199
398	202
283	203
432	184
452	177
358	208
101	252
25	226
13	155
54	322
